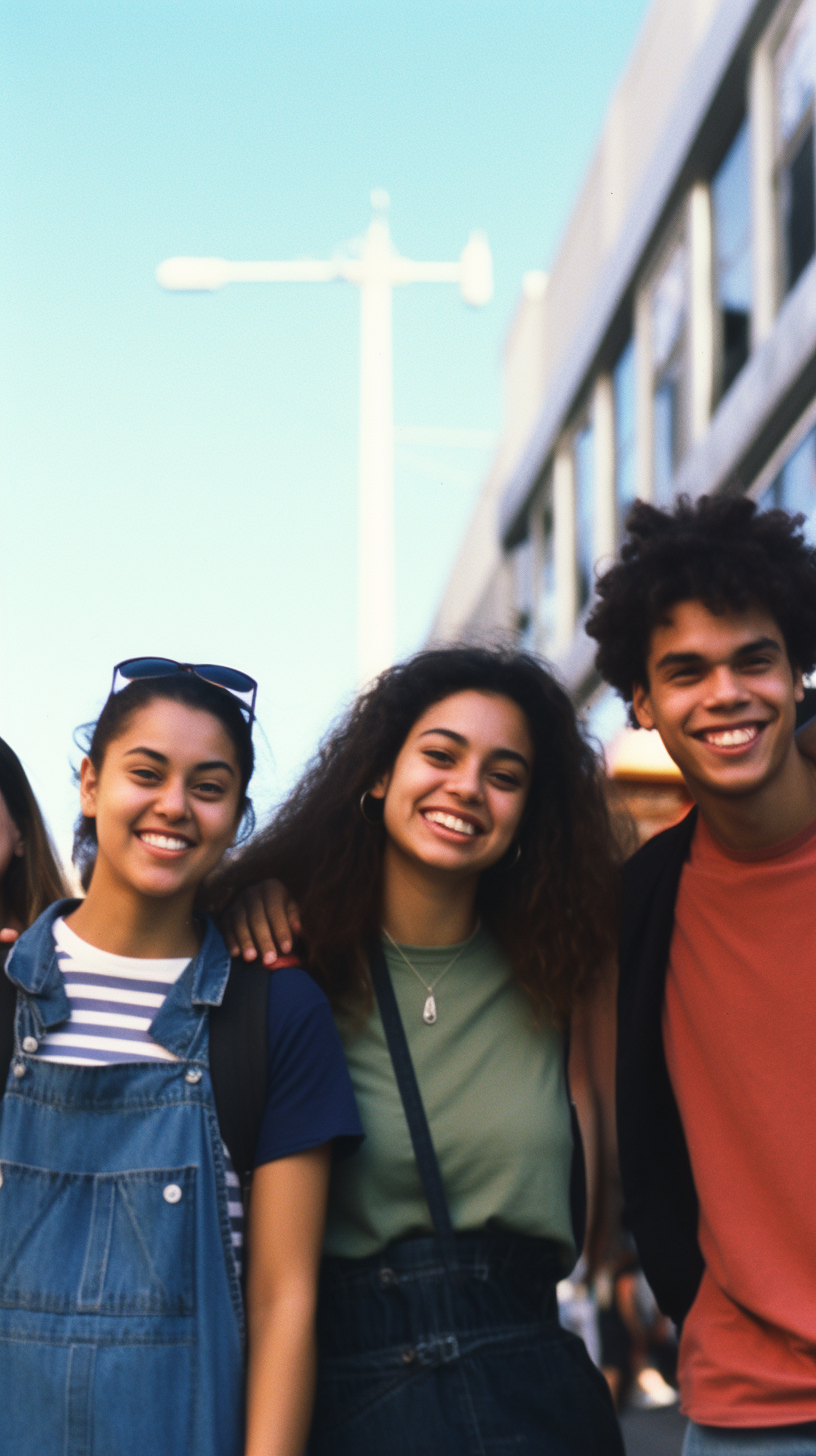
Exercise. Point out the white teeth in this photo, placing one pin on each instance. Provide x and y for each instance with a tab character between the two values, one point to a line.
164	841
450	821
731	737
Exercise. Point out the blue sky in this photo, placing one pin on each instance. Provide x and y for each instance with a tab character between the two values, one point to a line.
179	472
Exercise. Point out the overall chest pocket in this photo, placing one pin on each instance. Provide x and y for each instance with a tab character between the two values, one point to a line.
97	1243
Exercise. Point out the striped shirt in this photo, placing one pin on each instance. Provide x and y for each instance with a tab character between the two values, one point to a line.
113	1001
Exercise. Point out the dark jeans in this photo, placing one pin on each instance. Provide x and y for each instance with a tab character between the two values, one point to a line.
418	1361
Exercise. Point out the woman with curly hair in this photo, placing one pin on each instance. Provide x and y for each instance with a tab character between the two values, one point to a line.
450	855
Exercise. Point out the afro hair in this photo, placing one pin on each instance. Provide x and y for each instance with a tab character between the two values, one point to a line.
721	551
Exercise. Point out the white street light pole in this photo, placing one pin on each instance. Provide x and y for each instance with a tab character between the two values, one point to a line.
377	271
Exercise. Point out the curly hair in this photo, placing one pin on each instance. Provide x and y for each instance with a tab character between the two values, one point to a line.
721	551
553	911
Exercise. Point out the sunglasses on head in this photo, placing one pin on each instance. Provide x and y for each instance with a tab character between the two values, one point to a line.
239	684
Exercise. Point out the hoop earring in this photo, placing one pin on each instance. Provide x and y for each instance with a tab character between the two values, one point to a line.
516	857
365	795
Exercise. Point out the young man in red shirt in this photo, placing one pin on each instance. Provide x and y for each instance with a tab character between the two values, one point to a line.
705	627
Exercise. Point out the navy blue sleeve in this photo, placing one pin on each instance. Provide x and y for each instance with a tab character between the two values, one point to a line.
309	1096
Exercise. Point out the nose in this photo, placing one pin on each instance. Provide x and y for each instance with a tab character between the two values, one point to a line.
725	688
171	802
467	782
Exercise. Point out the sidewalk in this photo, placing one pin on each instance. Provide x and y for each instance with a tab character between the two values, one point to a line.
653	1432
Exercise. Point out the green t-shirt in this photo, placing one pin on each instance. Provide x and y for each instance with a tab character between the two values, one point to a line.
492	1083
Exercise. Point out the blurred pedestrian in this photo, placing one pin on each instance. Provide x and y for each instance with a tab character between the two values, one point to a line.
450	855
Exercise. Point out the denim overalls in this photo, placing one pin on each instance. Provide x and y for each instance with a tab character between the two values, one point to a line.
121	1320
451	1345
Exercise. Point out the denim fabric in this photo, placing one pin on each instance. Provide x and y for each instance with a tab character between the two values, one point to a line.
417	1359
121	1321
797	1440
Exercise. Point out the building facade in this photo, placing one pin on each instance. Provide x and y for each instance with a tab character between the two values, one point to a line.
673	346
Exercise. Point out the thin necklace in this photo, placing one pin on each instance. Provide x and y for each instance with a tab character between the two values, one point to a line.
429	1015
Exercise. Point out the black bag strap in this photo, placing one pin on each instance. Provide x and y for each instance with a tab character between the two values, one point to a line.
421	1140
239	1059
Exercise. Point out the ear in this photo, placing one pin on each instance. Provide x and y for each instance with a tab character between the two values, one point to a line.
798	685
642	706
380	789
88	785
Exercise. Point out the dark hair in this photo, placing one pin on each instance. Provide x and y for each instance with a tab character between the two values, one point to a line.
181	687
553	910
33	880
721	551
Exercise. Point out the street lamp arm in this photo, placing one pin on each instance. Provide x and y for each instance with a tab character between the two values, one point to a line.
405	270
205	275
473	272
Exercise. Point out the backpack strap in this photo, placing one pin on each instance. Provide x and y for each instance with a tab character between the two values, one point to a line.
239	1058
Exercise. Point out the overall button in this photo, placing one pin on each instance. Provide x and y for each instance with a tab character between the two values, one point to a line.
1	1179
387	1276
19	1069
193	1076
30	1043
172	1193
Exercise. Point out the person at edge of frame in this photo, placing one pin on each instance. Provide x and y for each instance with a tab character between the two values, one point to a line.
122	1313
451	858
705	626
30	876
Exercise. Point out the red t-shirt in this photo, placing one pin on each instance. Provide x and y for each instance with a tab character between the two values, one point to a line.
739	1029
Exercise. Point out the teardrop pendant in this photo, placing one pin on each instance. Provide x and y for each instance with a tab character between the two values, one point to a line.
429	1014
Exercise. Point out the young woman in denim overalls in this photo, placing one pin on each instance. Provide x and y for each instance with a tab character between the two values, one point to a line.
121	1309
450	857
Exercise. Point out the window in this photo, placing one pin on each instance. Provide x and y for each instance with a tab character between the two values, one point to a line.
584	455
794	488
669	311
522	564
731	218
545	613
623	387
793	67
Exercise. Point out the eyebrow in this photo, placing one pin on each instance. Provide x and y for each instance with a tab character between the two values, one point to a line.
463	743
689	659
198	767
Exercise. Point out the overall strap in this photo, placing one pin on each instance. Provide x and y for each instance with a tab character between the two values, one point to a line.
412	1104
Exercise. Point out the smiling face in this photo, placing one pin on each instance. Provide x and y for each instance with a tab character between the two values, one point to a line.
722	694
455	797
166	800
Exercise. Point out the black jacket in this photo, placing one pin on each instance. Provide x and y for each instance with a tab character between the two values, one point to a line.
660	1197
